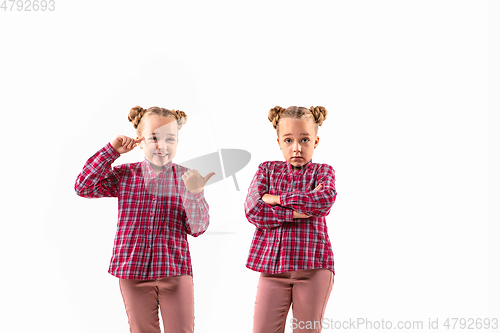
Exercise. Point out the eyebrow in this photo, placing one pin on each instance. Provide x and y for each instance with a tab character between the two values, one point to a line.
169	134
288	134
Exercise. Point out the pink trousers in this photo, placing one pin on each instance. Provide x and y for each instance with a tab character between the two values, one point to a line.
306	290
174	295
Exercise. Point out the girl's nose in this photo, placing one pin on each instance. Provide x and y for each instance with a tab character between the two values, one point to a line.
161	145
296	147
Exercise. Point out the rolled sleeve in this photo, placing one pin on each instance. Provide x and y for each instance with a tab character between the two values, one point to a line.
196	208
98	179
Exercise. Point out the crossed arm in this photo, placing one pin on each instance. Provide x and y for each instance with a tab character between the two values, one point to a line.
274	200
265	210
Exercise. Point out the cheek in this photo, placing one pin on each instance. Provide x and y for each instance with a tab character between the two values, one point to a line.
149	148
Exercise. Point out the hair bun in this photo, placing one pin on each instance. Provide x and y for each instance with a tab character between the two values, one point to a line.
180	116
319	113
135	114
275	114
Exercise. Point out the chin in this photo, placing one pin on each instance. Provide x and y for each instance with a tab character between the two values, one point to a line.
163	164
157	163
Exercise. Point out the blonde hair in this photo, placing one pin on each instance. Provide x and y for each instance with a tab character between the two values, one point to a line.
136	114
316	113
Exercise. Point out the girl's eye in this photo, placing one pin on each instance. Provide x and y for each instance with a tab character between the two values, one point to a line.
288	140
305	140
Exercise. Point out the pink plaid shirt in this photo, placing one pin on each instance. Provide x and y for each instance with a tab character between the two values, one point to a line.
155	213
281	243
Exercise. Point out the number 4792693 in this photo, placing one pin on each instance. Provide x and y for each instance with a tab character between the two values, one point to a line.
28	5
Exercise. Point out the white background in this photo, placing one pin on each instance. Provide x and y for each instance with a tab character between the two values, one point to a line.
412	131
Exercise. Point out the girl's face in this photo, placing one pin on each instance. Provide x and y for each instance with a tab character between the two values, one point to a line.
297	140
160	139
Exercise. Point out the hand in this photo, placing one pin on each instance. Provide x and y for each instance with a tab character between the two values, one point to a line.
123	144
318	187
297	215
194	181
273	200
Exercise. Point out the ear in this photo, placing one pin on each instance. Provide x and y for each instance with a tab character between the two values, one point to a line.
140	143
316	142
278	139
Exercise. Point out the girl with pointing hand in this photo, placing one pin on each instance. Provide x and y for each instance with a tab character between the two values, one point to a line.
159	203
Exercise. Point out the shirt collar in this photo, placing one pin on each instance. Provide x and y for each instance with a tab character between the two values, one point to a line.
148	171
302	168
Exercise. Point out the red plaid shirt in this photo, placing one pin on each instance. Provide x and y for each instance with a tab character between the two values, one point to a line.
155	213
281	243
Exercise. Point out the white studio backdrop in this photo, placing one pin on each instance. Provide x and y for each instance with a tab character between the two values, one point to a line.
408	131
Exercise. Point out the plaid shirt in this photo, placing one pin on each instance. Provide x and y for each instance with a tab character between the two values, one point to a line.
281	243
155	213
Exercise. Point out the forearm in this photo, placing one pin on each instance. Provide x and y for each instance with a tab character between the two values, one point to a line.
261	209
197	217
274	200
96	178
265	216
312	203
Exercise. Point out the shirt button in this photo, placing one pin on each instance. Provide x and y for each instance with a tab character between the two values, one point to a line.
154	199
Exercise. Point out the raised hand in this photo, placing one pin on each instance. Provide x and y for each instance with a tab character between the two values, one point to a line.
123	144
194	181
